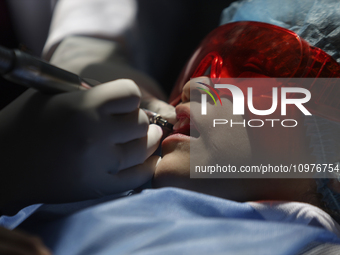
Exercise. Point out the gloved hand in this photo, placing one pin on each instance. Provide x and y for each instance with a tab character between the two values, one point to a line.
154	104
17	243
103	61
75	146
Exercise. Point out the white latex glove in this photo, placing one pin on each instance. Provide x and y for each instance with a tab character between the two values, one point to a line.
75	146
103	61
154	104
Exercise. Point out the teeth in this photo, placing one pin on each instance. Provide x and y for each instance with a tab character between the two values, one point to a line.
176	126
181	123
184	122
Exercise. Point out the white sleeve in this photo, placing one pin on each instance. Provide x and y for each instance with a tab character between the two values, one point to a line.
102	18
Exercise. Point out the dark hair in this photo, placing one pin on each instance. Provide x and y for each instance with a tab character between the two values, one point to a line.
313	197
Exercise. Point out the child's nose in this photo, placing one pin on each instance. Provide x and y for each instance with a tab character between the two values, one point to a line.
192	88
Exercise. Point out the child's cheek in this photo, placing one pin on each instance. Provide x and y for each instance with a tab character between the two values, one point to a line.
278	140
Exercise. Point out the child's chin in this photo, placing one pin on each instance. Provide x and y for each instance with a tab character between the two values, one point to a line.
168	177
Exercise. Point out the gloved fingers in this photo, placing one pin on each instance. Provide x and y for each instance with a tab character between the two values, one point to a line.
127	127
166	110
132	177
115	97
135	152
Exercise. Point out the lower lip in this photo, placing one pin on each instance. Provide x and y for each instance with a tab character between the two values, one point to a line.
176	138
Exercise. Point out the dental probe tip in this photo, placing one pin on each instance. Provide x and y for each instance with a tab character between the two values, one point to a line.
155	118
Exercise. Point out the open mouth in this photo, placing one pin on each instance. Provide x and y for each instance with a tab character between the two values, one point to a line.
185	127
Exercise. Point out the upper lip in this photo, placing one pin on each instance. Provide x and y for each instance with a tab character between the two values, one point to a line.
182	125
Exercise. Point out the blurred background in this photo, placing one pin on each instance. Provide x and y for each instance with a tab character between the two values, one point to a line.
24	24
178	25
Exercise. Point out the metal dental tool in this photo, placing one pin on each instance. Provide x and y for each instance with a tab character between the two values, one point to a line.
155	118
24	69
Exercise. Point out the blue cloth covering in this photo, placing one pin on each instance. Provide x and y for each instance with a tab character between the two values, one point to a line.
175	221
49	212
12	222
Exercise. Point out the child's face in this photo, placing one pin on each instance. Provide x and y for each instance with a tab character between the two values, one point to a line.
237	145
